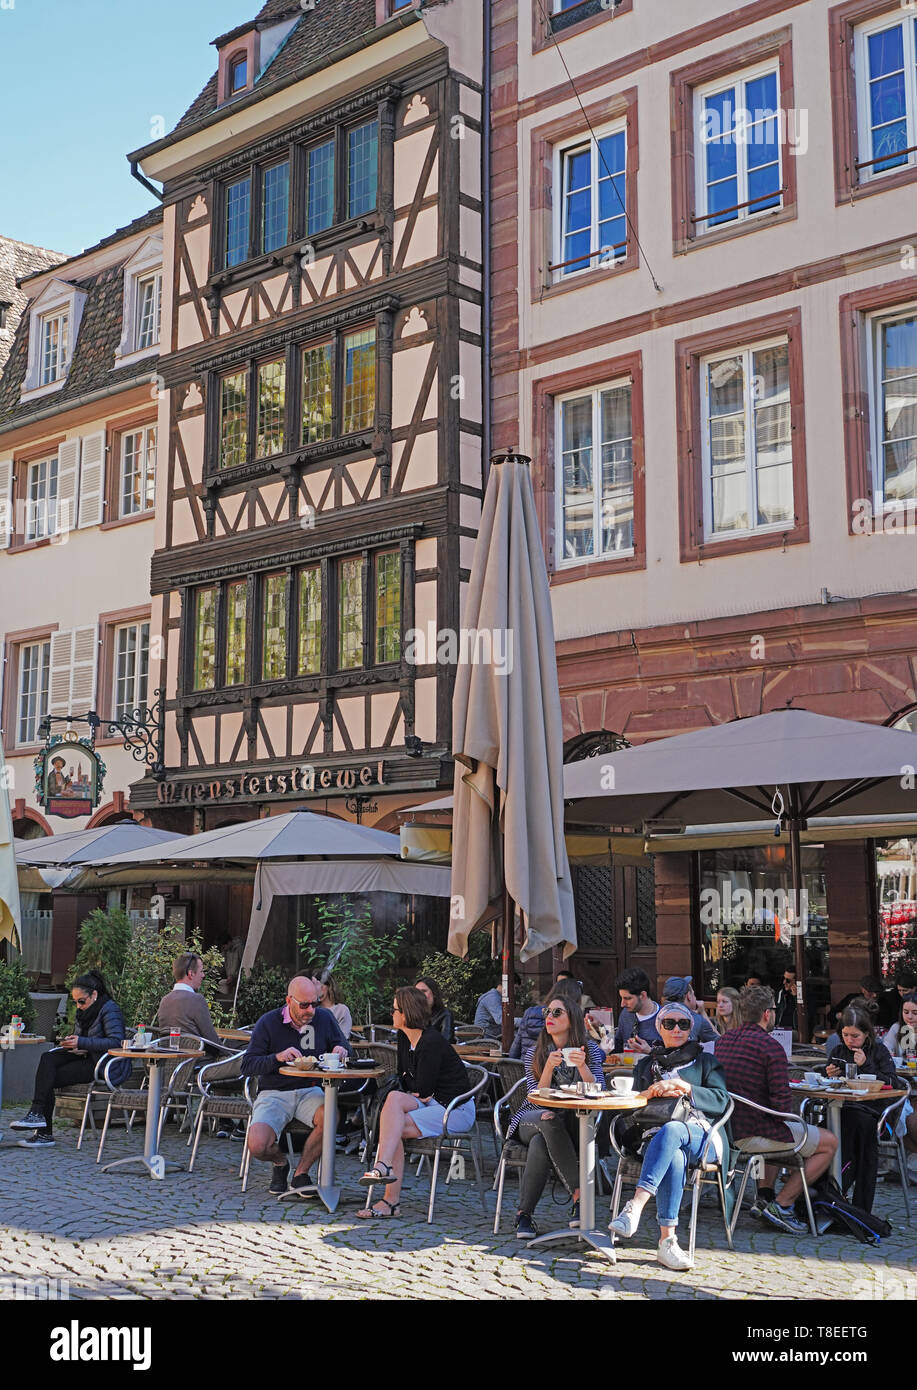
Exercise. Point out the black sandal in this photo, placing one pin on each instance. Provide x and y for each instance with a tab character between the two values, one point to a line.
375	1176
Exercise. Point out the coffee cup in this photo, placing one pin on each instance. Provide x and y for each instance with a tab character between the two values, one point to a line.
568	1055
622	1084
331	1061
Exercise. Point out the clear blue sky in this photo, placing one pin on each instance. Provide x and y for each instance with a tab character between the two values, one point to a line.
81	82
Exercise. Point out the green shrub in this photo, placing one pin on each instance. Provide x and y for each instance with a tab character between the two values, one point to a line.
462	982
263	988
360	958
14	994
105	936
147	972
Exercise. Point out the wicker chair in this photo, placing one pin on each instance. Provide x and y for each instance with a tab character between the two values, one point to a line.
181	1092
100	1085
218	1105
130	1100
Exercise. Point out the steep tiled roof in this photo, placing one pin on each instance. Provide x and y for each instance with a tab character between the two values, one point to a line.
18	258
140	224
319	31
96	344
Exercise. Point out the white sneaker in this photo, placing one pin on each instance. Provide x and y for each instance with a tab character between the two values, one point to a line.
626	1222
670	1254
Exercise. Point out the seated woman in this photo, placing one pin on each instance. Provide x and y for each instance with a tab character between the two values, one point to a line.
727	1009
328	998
441	1018
675	1068
99	1027
432	1076
901	1042
859	1140
531	1025
562	1055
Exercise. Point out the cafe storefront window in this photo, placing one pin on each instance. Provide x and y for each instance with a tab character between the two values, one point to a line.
747	918
896	887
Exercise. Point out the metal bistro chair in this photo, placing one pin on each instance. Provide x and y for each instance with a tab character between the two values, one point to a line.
784	1158
707	1170
469	1143
220	1105
384	1055
130	1099
512	1153
181	1093
889	1140
101	1085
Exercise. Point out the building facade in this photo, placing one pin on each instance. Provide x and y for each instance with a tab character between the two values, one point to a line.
78	447
705	309
321	413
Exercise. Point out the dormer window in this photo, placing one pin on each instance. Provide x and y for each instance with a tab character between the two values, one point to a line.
238	74
141	314
54	324
55	347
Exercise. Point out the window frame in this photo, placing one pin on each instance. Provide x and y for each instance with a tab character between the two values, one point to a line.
546	392
874	322
62	316
747	352
760	54
843	21
906	17
557	269
690	353
136	703
49	461
42	644
744	212
144	278
560	400
292	358
545	29
145	430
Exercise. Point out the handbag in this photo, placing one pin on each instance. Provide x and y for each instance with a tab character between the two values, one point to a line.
661	1110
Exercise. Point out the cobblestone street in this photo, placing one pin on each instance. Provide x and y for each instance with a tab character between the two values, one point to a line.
197	1236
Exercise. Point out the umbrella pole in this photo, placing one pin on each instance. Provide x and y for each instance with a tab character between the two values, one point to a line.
794	825
508	990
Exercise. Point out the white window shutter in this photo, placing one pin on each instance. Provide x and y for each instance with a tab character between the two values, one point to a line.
6	502
83	668
68	460
61	665
92	479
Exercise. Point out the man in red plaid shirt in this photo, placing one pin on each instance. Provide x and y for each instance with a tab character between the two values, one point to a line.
756	1067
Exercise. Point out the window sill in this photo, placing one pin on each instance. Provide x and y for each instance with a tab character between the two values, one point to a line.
592	569
741	545
881	183
583	279
20	547
566	25
735	229
24	750
34	393
130	359
127	520
321	242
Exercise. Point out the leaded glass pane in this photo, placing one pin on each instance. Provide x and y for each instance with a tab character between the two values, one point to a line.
350	614
275	207
205	639
362	168
272	388
320	187
233	419
274	629
359	408
310	622
236	613
388	607
317	395
238	203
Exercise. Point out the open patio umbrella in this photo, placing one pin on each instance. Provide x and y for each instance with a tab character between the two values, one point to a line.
85	846
507	739
783	768
10	909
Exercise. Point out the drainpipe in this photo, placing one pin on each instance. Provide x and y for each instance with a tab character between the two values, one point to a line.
141	178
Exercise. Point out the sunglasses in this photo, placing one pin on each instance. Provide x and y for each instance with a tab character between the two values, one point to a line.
672	1023
303	1003
554	1013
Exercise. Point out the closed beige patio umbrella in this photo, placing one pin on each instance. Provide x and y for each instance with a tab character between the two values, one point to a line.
508	822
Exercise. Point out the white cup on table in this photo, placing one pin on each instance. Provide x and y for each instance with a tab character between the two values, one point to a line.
331	1061
622	1084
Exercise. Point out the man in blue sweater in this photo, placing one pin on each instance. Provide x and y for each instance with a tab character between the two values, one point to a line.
299	1029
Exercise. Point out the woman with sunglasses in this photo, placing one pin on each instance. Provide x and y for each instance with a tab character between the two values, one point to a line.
675	1068
531	1025
562	1055
99	1027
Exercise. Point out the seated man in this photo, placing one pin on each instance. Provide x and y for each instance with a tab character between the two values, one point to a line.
637	1021
785	1003
489	1014
183	1007
679	990
756	1067
299	1029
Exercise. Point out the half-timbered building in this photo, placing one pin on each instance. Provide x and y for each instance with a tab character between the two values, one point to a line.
320	412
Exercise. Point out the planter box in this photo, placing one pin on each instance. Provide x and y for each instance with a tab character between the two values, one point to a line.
19	1067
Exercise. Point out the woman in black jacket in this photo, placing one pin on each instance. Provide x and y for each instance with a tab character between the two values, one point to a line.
432	1076
441	1019
99	1027
676	1069
859	1139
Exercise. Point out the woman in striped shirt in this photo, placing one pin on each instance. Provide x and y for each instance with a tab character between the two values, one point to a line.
551	1134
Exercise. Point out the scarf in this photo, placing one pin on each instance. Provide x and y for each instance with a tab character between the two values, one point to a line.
86	1018
665	1060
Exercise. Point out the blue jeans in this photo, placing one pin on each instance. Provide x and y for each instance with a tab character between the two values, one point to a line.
665	1164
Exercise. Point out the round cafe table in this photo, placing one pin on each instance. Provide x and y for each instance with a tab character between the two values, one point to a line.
20	1042
330	1080
154	1162
587	1110
834	1099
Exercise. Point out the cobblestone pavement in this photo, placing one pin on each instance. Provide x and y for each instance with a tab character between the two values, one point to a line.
198	1236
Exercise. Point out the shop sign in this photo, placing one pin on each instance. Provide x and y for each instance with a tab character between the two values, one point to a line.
304	779
68	776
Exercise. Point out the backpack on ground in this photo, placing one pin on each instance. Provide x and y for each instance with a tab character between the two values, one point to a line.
832	1208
